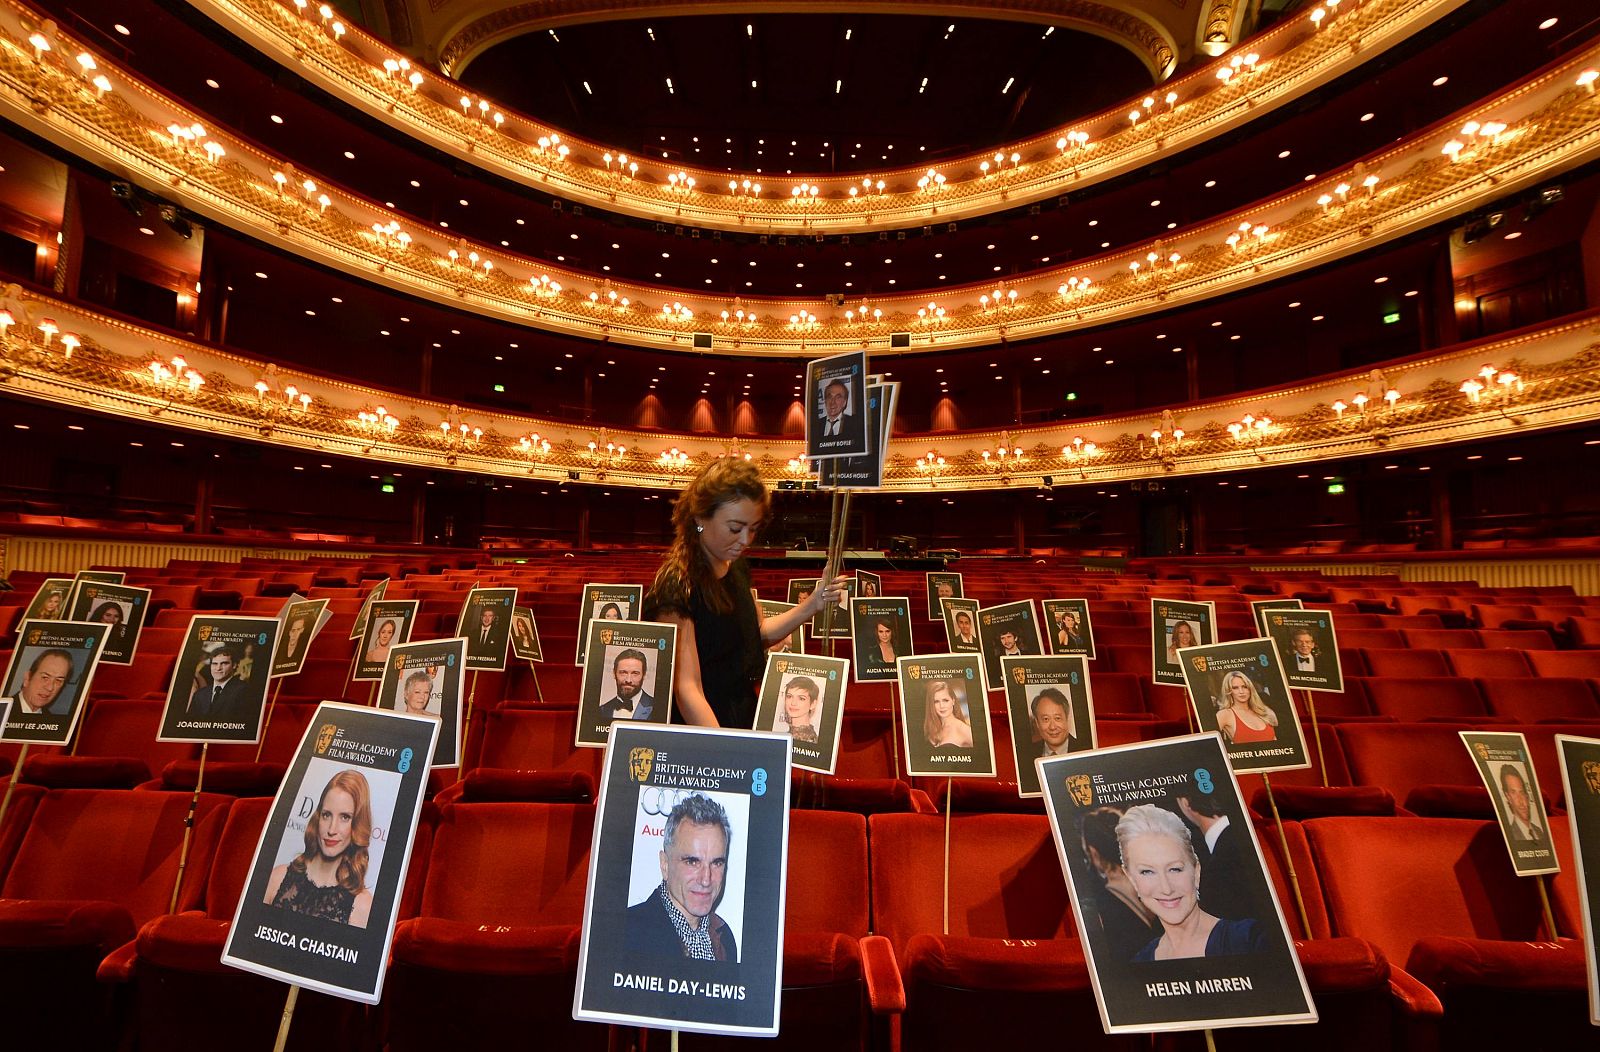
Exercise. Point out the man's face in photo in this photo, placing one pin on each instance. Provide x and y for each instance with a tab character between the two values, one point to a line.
629	674
1008	640
944	590
1303	643
964	624
41	687
221	666
695	868
1050	721
487	618
836	397
1517	796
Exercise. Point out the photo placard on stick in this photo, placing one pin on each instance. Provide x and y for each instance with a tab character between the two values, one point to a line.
941	586
525	635
121	606
219	684
1132	824
1259	608
836	407
1238	690
48	679
606	602
864	472
49	603
1507	771
485	623
683	921
98	577
794	642
300	621
1067	627
1580	777
945	712
868	585
318	908
1051	708
424	679
1007	630
841	614
627	677
800	589
803	696
961	625
1309	648
377	592
1175	624
388	625
881	634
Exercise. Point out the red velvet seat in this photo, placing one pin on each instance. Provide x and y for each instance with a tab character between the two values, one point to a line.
534	740
1441	638
496	937
1536	700
1372	638
1522	639
94	865
1443	697
1116	692
1584	632
1488	664
1440	894
1580	664
1406	662
150	675
1403	757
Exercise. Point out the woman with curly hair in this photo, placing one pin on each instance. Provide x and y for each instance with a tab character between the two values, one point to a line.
703	587
329	878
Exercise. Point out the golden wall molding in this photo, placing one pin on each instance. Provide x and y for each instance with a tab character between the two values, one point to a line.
1528	133
1290	60
70	554
1532	381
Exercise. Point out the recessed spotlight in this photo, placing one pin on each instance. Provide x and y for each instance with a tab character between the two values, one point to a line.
261	274
1549	23
1380	280
147	231
276	119
1317	317
22	427
415	183
1156	203
1475	456
1367	117
210	83
1282	154
1210	183
124	30
1440	82
1412	292
74	427
1513	235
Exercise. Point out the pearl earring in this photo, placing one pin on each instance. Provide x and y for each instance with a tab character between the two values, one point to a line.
699	528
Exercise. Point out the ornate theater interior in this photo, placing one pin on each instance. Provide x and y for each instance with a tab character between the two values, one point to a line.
1185	299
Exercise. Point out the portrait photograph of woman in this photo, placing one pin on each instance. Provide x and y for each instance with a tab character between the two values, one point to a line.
330	877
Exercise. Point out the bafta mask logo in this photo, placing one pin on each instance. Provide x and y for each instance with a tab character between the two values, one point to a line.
1081	788
1199	662
915	671
1277	621
325	737
1482	749
205	633
594	595
640	761
605	637
1591	775
399	662
1020	675
33	637
92	593
783	666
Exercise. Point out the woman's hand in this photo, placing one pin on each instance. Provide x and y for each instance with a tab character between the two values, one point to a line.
830	592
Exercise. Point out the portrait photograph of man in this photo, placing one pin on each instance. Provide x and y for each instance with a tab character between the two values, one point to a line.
48	679
219	684
1051	709
1308	647
1502	761
941	586
678	919
301	621
485	623
1007	630
836	417
626	678
961	625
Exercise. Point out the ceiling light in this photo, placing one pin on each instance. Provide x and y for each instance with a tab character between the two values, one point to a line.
1440	82
210	83
1367	117
1549	23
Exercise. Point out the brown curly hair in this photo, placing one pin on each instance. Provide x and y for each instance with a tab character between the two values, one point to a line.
685	570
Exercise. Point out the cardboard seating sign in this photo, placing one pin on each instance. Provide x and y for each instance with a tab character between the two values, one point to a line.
1131	825
121	606
388	624
485	623
881	633
1507	771
841	611
424	678
318	907
1238	690
803	696
606	602
1309	648
49	603
627	677
1066	627
961	625
525	635
864	472
1007	630
1259	608
219	684
48	679
377	592
683	922
837	416
1051	709
98	577
300	620
941	586
1175	624
868	585
1580	777
945	714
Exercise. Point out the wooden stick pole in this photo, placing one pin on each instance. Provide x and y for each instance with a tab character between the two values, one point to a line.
1211	1041
472	694
1544	901
949	806
350	677
288	1017
674	1041
266	722
188	827
11	783
894	737
1316	735
1288	859
533	667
